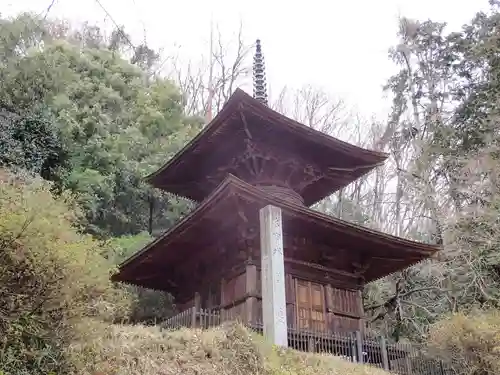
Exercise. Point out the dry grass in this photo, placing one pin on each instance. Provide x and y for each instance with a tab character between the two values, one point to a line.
470	343
228	350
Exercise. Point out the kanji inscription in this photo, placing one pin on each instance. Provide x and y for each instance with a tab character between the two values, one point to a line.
273	276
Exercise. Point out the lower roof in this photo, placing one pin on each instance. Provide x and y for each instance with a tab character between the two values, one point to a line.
157	266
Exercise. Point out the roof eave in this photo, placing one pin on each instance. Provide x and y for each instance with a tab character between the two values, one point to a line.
239	100
232	182
194	215
216	122
326	219
304	130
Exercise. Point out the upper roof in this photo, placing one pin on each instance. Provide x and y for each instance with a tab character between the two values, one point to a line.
322	164
157	265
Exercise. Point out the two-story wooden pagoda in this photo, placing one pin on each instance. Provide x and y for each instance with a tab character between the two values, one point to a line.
249	156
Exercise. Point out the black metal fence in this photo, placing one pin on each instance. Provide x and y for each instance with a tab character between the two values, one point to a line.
399	358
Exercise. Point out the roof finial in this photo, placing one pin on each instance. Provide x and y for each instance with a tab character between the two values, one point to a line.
259	77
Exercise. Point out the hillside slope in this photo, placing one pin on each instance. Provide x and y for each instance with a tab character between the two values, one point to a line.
229	350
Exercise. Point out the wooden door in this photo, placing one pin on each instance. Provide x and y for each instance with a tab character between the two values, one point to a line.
303	305
311	313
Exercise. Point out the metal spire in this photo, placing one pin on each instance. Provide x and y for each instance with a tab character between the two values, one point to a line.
259	76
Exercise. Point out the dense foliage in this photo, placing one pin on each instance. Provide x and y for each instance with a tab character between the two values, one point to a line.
76	111
101	124
31	142
51	277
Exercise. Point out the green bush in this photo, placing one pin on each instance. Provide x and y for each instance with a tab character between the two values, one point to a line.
51	276
470	343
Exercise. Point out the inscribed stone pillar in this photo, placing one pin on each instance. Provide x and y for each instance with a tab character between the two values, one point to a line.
273	276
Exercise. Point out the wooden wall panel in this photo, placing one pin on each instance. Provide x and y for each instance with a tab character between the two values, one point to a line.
290	315
258	311
318	315
259	282
330	308
234	289
311	309
211	295
303	305
344	301
185	306
343	324
236	312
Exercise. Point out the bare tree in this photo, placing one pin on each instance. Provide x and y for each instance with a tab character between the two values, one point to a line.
416	206
313	107
230	67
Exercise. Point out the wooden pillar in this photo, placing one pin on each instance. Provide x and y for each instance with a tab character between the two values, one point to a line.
273	276
361	322
210	297
251	292
291	303
329	307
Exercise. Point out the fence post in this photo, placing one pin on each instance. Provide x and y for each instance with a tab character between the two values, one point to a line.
196	307
383	349
359	346
441	368
310	344
352	343
193	317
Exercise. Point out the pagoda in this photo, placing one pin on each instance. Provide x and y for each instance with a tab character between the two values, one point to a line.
247	158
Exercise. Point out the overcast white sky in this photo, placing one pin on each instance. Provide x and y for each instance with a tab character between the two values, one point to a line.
339	45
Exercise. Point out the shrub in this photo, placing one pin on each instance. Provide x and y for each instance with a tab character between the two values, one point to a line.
470	343
50	277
